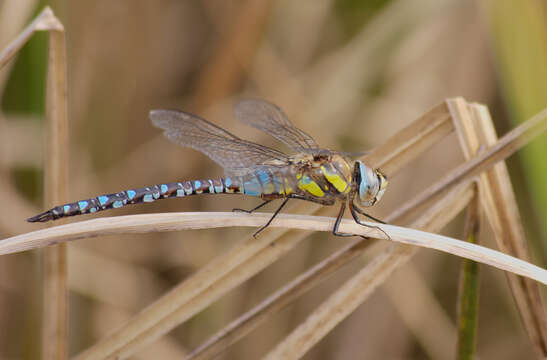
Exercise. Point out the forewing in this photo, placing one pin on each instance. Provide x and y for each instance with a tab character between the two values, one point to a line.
235	155
272	120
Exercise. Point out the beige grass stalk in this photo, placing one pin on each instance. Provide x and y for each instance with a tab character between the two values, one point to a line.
55	315
474	127
469	282
55	321
192	221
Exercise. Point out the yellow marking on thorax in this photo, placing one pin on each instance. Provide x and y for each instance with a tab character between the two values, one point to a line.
307	184
287	188
336	180
268	189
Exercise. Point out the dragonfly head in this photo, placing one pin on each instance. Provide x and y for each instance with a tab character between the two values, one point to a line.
371	182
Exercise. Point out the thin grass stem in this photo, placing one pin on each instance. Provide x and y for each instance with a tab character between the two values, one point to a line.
468	299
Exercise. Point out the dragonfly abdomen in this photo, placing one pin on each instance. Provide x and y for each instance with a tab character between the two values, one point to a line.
141	195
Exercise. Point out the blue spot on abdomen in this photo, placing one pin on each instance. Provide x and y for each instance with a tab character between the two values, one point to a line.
131	194
102	199
82	205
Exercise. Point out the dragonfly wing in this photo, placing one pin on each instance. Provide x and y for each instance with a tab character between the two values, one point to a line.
234	154
272	120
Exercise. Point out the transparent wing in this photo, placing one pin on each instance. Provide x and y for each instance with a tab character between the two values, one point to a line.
272	120
235	155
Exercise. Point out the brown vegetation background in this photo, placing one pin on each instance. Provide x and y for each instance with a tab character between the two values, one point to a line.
349	72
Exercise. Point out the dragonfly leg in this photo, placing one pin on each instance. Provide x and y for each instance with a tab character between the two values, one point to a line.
253	209
354	212
360	211
337	223
271	219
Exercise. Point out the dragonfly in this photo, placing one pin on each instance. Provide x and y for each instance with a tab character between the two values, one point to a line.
315	174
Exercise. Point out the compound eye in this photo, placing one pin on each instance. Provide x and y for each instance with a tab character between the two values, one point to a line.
367	185
363	181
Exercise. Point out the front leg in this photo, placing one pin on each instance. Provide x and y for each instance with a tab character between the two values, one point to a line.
353	210
328	202
362	212
337	223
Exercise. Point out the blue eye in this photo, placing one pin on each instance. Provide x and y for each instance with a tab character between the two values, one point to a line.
364	186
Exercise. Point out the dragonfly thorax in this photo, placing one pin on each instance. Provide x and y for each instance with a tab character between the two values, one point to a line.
371	184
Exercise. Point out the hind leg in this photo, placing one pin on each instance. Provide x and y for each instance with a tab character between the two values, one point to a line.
271	219
253	209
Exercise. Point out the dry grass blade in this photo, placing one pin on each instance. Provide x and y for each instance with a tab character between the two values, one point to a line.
506	146
468	294
192	221
55	322
45	21
14	16
55	316
413	140
468	299
498	200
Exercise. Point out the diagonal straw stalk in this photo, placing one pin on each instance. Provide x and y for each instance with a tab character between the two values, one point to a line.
498	200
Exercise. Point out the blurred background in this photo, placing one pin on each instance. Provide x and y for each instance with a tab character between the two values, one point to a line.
349	72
